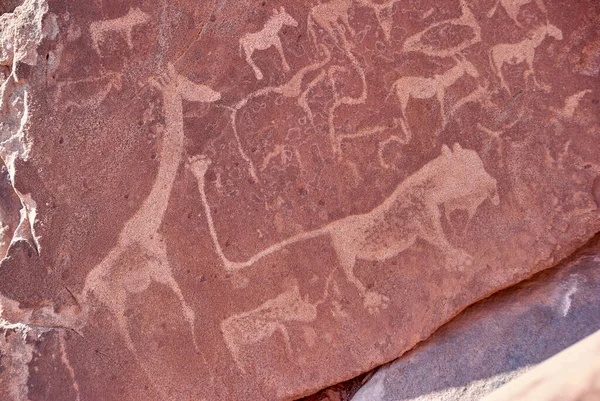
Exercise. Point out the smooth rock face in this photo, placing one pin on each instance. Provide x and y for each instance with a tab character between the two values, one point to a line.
572	375
497	339
255	199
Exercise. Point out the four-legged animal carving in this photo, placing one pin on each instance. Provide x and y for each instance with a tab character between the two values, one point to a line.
267	37
426	88
512	8
383	13
412	211
327	15
124	25
523	51
140	254
249	328
420	42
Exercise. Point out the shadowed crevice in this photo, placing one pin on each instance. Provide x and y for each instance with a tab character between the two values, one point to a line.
346	390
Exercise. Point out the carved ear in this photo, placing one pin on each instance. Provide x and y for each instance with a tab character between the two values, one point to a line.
446	151
456	147
282	9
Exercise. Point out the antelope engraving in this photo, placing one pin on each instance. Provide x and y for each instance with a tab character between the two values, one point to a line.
265	38
456	178
512	8
251	327
416	42
406	88
521	52
123	25
327	17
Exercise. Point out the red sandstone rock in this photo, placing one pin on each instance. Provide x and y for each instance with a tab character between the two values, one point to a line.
219	199
499	338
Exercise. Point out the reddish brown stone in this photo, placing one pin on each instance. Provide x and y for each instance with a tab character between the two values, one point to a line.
217	198
500	338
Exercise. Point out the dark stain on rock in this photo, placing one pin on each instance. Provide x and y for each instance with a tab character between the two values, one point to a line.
596	191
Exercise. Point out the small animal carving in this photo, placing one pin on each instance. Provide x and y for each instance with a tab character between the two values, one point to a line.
512	8
384	15
265	38
521	52
250	328
123	25
421	42
326	16
425	88
412	211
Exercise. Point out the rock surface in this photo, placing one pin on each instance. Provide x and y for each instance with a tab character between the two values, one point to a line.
572	375
219	198
497	339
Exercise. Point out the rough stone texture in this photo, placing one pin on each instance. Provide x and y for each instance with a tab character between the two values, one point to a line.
572	375
497	339
220	198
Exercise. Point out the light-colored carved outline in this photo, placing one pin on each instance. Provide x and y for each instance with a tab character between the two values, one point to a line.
384	14
267	37
124	25
409	87
414	42
292	89
326	17
142	230
513	7
521	52
360	236
247	328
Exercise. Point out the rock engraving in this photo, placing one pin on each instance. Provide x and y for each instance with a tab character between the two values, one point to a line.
512	8
115	277
521	52
265	38
326	16
425	88
249	328
416	42
123	25
456	179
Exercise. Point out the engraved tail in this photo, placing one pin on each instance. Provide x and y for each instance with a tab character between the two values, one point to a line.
493	10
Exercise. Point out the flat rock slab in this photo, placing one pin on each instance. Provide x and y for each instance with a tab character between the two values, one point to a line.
572	375
498	339
256	199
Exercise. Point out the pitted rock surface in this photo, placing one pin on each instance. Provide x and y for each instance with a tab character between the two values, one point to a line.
257	199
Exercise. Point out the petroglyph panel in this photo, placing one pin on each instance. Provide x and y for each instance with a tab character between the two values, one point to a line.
256	199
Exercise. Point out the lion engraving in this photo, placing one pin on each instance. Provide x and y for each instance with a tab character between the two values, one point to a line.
457	179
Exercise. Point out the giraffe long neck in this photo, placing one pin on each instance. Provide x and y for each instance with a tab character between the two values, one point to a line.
150	215
452	75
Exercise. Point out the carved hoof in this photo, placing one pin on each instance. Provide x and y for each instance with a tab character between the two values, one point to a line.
199	164
374	301
460	260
